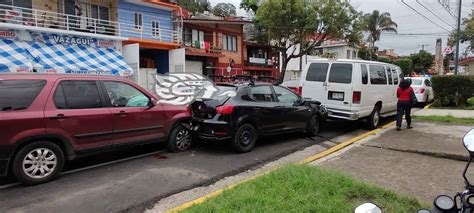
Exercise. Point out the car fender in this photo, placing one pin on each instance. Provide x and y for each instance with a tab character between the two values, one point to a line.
175	115
246	119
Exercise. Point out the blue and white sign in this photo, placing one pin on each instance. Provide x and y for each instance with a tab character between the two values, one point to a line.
73	40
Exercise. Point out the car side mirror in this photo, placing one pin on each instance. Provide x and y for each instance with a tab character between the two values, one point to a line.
468	141
151	102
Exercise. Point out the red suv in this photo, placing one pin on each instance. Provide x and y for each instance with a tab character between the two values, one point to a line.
47	119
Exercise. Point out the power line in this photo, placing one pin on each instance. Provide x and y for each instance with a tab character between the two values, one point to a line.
403	1
418	1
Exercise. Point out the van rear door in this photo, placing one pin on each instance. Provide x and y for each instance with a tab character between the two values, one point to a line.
314	83
339	86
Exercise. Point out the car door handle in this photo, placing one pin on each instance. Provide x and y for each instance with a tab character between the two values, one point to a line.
122	114
59	117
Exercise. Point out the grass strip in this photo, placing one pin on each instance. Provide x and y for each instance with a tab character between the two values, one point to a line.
303	188
446	119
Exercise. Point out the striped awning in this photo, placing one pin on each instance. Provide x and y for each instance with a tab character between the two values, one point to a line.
14	57
60	58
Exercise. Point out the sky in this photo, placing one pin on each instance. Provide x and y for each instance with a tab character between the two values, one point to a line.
414	30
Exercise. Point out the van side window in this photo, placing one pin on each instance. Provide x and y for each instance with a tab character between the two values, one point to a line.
389	74
317	72
341	73
365	74
395	75
378	75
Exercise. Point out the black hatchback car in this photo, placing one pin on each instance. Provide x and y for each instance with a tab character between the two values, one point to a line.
247	111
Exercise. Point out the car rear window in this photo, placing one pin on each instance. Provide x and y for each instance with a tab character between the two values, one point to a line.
317	72
341	73
19	94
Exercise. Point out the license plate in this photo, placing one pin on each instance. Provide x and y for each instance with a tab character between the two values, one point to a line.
338	96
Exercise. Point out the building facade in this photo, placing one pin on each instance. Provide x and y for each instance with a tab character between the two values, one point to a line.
214	45
152	28
61	37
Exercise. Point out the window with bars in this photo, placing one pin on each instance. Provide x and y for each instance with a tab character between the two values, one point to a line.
155	29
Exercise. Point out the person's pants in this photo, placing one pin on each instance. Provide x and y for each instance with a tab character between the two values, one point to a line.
403	106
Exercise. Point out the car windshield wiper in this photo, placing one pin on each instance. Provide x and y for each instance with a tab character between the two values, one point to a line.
12	108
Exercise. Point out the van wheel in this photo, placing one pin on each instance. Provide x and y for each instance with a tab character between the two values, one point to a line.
180	139
38	162
374	118
313	126
244	139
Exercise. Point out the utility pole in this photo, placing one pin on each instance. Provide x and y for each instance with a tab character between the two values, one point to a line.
458	38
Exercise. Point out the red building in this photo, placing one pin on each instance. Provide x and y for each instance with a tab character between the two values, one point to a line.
215	47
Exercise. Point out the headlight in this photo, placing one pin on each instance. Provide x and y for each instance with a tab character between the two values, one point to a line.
323	108
444	202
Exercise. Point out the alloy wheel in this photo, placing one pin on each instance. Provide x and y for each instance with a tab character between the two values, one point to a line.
183	139
39	163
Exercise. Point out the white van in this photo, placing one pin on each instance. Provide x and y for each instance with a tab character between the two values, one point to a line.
352	89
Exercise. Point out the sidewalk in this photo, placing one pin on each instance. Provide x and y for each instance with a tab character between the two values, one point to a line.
446	112
423	162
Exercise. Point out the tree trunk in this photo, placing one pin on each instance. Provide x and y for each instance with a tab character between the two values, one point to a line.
284	63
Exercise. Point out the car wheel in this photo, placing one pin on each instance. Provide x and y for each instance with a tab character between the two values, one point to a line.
38	162
313	126
244	139
374	118
180	139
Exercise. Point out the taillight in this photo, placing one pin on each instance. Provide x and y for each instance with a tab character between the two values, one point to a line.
421	90
225	109
300	90
356	96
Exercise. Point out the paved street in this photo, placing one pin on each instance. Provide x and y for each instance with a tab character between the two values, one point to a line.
135	184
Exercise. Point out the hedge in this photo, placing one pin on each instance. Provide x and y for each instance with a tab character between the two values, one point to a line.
452	91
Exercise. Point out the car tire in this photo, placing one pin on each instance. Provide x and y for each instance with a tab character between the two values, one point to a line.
313	126
374	119
180	139
244	139
38	162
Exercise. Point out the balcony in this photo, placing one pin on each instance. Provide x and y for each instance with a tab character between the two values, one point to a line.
59	21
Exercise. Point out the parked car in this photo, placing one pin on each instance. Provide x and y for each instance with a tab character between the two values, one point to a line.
48	119
293	85
255	110
352	89
423	90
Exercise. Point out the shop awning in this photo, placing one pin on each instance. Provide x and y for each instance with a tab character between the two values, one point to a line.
14	57
78	59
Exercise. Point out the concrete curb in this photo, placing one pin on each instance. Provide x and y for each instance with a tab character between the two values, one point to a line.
308	160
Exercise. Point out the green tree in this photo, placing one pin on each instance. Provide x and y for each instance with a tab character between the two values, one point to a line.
365	54
375	23
384	60
195	6
249	6
303	25
406	64
467	33
225	9
422	61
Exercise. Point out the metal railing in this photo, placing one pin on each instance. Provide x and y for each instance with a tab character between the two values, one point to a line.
46	19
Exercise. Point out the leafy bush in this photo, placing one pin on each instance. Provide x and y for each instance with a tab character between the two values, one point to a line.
384	60
453	91
405	64
470	101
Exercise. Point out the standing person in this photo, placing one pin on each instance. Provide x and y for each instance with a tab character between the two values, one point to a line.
404	95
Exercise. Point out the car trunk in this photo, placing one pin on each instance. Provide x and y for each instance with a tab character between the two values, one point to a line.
206	108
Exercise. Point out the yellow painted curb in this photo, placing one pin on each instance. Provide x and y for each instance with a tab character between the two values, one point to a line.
428	106
305	161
